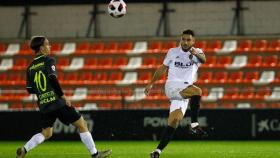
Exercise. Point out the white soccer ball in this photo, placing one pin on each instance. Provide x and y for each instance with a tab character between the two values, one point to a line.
117	8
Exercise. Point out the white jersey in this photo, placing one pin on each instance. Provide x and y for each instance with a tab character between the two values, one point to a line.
182	65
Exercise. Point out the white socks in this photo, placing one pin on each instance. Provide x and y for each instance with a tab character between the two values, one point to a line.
194	124
88	141
34	141
158	150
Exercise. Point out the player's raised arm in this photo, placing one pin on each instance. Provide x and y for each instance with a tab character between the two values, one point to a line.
159	72
199	55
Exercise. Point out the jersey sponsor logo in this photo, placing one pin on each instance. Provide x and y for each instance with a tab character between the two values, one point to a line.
36	66
47	100
53	67
183	65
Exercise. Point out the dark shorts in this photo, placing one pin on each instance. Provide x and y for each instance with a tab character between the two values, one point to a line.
65	114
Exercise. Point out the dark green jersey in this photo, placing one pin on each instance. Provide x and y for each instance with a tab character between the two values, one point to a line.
38	79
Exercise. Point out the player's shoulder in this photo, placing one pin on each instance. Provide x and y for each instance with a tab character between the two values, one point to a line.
174	50
50	59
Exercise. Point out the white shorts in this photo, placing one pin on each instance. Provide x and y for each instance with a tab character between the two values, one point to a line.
172	91
179	104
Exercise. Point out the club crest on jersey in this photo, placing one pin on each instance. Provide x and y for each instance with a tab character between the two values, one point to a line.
183	65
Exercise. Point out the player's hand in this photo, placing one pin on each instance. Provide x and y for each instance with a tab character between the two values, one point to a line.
68	102
148	89
193	51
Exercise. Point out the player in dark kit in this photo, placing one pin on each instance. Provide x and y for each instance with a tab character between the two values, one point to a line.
41	79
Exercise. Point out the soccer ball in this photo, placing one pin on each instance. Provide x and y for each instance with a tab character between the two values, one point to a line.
117	8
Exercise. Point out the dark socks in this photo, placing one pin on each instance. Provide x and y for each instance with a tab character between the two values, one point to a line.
166	137
195	106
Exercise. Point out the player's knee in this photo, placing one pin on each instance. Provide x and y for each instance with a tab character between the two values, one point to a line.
197	91
47	134
175	121
83	126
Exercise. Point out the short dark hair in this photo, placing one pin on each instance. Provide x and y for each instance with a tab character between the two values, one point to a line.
36	42
188	32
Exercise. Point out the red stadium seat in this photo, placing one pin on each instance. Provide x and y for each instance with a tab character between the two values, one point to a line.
25	49
235	77
83	48
201	44
115	76
168	45
105	105
144	77
85	78
155	47
214	46
20	64
4	78
210	62
270	61
90	63
220	77
254	61
260	46
250	76
71	79
231	94
100	77
247	93
205	77
97	47
150	106
259	105
104	62
149	62
209	105
16	79
3	48
125	47
111	47
120	62
274	45
56	47
244	46
62	62
262	92
277	79
16	106
30	106
223	61
228	105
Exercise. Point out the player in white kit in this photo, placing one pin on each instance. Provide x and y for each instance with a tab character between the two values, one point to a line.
182	63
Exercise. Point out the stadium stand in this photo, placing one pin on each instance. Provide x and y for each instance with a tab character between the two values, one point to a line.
242	73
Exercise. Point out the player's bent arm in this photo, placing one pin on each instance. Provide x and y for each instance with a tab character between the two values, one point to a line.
201	57
159	72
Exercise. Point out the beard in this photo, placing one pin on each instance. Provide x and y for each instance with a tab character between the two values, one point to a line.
186	48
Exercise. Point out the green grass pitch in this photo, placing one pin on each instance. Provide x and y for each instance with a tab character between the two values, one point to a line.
141	149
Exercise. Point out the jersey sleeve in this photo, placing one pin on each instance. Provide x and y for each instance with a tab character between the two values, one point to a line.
29	83
50	67
167	60
199	51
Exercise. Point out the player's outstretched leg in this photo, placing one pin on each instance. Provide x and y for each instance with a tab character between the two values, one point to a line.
86	138
173	121
102	154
